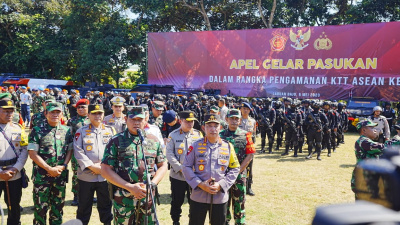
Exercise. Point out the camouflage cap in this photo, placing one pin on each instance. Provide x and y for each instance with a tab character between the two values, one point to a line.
214	108
187	115
136	112
234	113
159	105
209	118
51	106
95	108
365	123
49	98
145	107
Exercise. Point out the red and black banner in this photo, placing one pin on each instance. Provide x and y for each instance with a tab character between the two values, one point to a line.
328	62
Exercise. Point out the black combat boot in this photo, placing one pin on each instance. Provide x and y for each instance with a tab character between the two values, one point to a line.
75	201
329	152
319	156
295	150
309	154
249	191
286	151
262	150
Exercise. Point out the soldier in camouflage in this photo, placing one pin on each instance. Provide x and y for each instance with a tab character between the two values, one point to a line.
50	148
248	124
38	100
75	123
243	143
366	148
156	114
123	166
39	119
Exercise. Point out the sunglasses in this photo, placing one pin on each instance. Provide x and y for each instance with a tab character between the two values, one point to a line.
81	107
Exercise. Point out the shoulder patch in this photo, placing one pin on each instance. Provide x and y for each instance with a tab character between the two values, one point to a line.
190	149
77	136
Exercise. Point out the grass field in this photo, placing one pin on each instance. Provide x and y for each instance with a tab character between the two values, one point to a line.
287	189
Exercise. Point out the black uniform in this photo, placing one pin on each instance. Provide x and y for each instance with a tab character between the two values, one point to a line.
316	122
266	120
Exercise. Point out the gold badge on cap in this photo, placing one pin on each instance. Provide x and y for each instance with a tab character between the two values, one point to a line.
117	100
191	115
9	103
212	117
97	107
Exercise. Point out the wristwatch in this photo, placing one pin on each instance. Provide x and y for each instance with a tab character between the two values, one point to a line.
65	166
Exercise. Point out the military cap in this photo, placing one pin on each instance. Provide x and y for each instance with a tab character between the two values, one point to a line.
5	95
49	98
95	108
365	123
234	113
82	101
214	108
34	89
118	100
11	87
73	91
158	105
40	88
187	115
7	103
145	107
245	104
51	106
210	118
169	116
136	112
23	87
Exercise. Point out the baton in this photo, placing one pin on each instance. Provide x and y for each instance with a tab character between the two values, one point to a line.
8	196
212	199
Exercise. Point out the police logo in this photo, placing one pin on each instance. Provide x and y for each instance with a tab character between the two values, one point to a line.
191	115
323	42
97	107
117	100
180	151
222	168
89	148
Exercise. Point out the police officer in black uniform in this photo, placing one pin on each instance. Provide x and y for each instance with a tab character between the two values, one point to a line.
266	121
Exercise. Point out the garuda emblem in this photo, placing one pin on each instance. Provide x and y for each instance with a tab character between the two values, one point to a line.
300	39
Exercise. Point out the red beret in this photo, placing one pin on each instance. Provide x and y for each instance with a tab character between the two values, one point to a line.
83	101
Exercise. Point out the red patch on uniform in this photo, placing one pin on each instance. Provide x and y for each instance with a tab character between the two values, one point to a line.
189	150
77	136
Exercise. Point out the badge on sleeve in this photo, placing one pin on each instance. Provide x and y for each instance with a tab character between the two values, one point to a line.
77	136
190	150
201	167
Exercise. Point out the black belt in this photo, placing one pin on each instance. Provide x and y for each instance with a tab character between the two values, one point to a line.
8	162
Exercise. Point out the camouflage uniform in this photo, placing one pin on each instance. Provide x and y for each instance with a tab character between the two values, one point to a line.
365	148
38	120
37	105
158	121
124	153
243	144
75	123
52	145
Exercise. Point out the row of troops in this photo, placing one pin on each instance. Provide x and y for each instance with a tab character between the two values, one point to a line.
211	168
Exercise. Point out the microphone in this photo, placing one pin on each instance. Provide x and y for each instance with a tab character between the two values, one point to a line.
140	133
